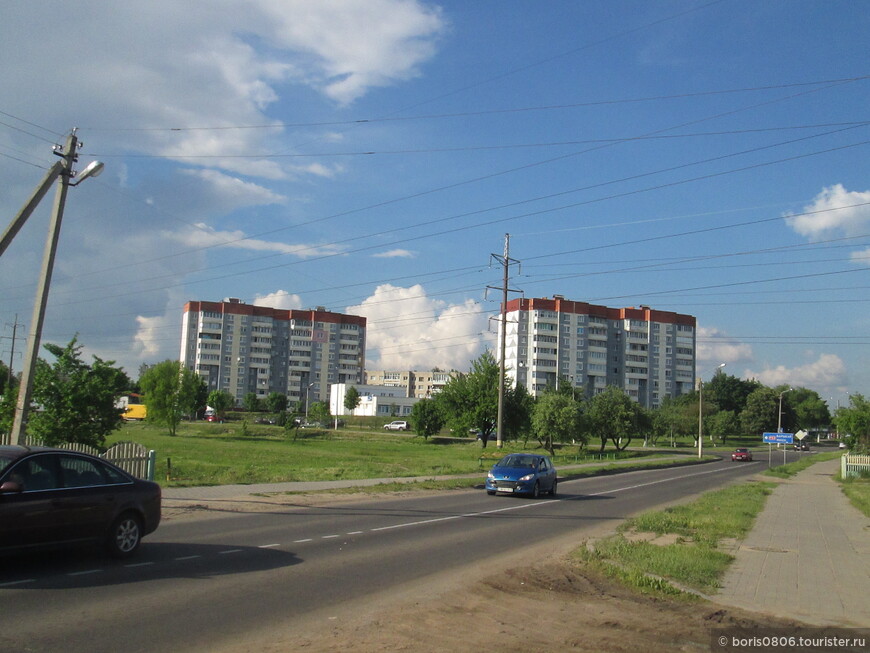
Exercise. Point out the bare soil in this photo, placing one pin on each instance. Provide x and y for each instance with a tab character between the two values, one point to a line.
554	604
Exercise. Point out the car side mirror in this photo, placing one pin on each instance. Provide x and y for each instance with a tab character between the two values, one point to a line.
10	487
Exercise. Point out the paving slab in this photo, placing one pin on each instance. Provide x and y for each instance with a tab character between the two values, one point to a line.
807	556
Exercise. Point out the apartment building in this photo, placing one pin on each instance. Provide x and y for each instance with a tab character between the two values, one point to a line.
419	385
648	353
243	348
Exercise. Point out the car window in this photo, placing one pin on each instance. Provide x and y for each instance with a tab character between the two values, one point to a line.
35	474
80	472
84	472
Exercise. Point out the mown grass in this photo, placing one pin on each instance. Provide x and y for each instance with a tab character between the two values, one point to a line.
858	491
790	469
240	452
695	557
217	454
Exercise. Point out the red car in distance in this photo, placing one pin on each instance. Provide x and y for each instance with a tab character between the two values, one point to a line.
741	454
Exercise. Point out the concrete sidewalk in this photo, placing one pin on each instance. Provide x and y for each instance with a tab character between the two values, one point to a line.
808	555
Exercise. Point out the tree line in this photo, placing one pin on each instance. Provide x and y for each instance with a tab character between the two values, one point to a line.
74	401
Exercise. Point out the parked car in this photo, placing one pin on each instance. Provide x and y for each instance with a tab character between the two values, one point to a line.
53	497
522	473
398	425
741	454
801	446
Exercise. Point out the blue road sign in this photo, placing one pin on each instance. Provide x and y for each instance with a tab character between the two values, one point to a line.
780	438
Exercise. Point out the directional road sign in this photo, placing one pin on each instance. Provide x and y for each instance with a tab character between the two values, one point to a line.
779	438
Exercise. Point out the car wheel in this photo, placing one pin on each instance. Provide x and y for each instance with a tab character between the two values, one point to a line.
553	489
536	491
125	535
490	492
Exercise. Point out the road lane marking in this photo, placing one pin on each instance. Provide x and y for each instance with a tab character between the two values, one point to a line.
307	539
268	546
18	582
188	557
139	564
84	573
229	551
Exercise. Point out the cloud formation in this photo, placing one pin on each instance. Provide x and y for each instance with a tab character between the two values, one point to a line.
408	330
834	211
827	373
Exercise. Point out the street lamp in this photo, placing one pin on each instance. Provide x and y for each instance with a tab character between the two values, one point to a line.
307	391
701	413
779	417
62	170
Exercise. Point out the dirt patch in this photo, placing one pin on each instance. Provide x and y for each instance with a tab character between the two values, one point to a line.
555	605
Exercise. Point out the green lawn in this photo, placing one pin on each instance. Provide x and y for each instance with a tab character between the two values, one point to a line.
236	452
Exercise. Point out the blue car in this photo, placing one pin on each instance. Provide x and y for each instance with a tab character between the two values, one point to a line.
522	473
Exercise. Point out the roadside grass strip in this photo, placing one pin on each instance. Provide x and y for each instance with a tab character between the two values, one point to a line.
682	550
790	469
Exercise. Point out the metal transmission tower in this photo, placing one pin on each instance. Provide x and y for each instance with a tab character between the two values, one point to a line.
506	261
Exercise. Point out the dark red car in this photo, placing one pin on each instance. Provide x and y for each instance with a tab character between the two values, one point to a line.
53	497
741	454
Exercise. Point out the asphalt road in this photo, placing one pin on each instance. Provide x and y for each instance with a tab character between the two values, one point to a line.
197	584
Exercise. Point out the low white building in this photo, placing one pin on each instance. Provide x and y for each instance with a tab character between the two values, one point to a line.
374	401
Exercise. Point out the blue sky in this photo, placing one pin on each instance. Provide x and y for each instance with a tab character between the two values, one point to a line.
369	156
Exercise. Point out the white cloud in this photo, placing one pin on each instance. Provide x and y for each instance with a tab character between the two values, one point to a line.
839	214
204	236
406	329
233	193
280	299
715	346
395	253
827	372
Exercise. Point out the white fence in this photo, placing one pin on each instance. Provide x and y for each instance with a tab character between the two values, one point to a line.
854	465
131	457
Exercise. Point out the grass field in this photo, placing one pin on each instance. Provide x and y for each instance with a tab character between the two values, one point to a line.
693	556
236	452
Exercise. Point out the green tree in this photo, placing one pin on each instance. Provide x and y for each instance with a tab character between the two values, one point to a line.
351	399
854	420
729	392
811	412
251	402
721	424
471	400
518	407
426	418
677	417
77	400
171	391
556	417
277	402
612	415
319	412
760	414
221	401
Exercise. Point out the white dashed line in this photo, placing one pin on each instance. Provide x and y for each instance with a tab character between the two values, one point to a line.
187	557
229	551
84	573
268	546
307	539
139	564
18	582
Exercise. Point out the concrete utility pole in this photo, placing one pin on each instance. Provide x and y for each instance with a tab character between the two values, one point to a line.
63	169
12	353
506	261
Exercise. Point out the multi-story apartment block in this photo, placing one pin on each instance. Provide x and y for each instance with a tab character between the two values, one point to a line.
243	348
650	354
419	385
